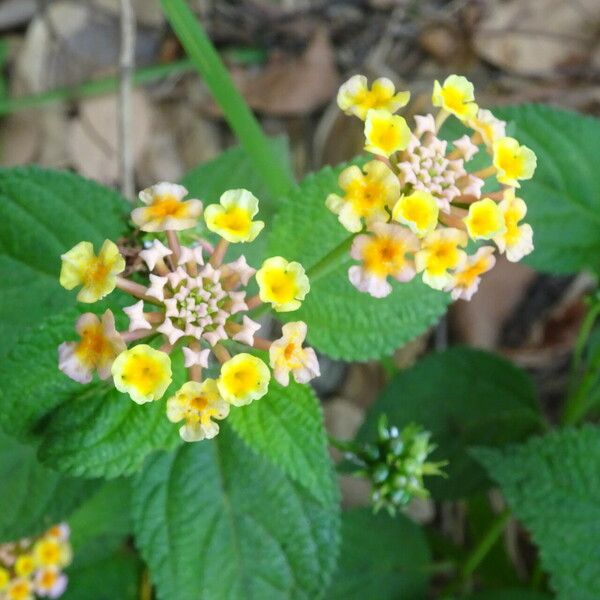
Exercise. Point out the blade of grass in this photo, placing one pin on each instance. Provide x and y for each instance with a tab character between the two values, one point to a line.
199	48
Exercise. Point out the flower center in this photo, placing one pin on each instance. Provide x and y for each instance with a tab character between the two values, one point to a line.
166	206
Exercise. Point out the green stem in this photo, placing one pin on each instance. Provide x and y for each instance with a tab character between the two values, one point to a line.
92	88
584	335
485	544
331	260
199	48
578	402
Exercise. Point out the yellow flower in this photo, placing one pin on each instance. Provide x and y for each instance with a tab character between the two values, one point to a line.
25	565
517	240
232	218
96	274
488	126
419	211
244	378
100	344
467	278
367	194
456	96
284	284
385	133
197	404
287	355
485	220
4	578
383	253
52	552
513	161
355	97
165	209
142	372
19	589
440	253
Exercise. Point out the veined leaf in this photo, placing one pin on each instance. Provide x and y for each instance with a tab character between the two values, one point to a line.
465	398
286	426
552	483
213	520
343	322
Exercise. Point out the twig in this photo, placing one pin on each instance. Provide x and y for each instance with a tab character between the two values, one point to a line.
126	66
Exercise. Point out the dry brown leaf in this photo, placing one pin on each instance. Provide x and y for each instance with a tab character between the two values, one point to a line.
295	86
93	136
538	37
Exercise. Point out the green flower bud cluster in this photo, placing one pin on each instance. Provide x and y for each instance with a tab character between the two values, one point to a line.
396	464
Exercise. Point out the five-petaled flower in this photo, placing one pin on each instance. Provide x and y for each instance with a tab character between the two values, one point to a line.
232	217
282	283
455	96
385	133
165	209
355	98
244	378
287	355
513	161
368	194
100	344
439	254
197	404
96	274
383	253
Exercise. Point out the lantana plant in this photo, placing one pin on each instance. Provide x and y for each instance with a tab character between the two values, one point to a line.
415	206
193	303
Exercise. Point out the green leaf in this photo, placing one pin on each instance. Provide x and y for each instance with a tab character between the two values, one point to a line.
213	520
233	169
103	567
286	427
43	214
33	497
101	432
85	430
552	483
563	198
465	398
343	322
382	557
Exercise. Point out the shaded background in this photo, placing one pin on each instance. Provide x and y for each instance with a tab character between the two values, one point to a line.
288	58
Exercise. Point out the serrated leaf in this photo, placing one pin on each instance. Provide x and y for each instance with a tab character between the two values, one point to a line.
465	398
101	432
215	521
44	213
286	427
382	557
343	322
563	197
33	497
552	483
85	430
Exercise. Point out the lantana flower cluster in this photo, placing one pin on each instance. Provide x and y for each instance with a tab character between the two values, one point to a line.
33	567
194	302
415	206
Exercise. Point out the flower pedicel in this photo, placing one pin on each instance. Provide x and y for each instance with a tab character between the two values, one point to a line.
194	303
415	207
